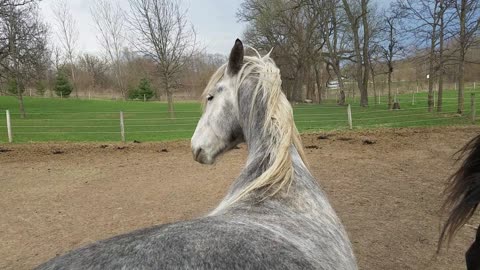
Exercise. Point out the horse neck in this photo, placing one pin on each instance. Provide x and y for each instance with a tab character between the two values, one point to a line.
259	154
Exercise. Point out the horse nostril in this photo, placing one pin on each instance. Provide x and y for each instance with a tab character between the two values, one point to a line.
196	153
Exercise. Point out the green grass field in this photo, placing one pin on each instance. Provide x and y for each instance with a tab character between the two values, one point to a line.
98	120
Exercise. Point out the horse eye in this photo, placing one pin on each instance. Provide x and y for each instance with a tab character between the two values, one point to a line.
210	97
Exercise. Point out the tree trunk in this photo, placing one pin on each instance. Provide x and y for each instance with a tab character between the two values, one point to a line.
318	81
341	98
374	88
356	42
287	87
73	78
440	94
390	101
298	85
12	39
361	61
19	91
431	71
310	85
21	106
366	60
169	92
341	101
431	68
372	72
171	109
440	59
338	72
461	58
120	84
461	84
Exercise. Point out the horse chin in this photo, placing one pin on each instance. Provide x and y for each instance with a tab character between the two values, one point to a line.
211	159
206	160
202	158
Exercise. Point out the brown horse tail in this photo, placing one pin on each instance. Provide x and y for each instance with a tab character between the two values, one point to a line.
463	191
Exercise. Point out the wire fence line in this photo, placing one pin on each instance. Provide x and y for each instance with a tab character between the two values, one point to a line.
150	125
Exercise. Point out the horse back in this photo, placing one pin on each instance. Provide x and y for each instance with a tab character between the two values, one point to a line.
209	243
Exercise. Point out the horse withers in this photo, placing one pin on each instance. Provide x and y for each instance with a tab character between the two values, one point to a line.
275	215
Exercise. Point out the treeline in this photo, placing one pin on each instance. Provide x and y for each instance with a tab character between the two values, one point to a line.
150	48
94	75
358	41
163	58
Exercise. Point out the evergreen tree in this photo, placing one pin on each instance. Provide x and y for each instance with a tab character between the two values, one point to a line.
144	90
63	87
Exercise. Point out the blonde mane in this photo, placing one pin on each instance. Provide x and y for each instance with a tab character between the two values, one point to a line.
279	126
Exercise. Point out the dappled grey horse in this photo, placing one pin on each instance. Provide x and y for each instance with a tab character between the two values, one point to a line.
275	215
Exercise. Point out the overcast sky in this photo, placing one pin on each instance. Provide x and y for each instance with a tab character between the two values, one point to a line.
214	20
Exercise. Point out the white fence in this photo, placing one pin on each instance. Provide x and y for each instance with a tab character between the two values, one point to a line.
147	125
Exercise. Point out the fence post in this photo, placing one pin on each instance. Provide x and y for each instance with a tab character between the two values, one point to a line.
349	113
434	100
122	127
413	98
9	127
144	98
472	105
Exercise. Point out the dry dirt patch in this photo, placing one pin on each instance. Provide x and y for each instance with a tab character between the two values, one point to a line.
56	197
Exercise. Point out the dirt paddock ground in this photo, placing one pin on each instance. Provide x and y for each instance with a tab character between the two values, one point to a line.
56	197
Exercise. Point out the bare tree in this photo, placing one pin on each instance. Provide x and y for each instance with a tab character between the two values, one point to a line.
273	24
357	21
376	62
441	51
95	68
56	57
24	36
469	19
110	23
292	28
163	34
391	48
5	6
67	32
334	28
422	21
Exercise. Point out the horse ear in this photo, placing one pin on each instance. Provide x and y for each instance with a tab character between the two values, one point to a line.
235	60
